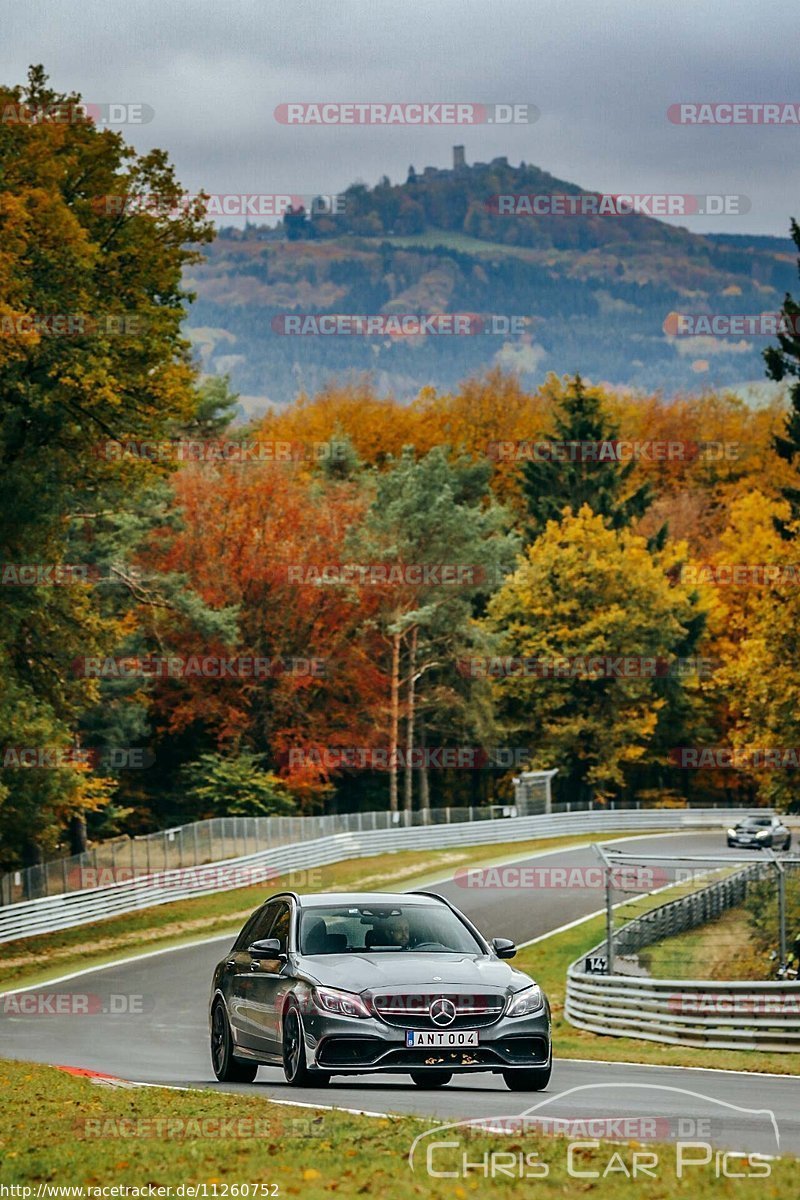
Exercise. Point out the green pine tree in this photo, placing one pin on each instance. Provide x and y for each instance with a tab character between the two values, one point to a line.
783	361
572	477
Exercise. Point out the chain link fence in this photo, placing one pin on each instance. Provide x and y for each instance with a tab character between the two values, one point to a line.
216	840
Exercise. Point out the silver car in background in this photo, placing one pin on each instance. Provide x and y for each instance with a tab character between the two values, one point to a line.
757	832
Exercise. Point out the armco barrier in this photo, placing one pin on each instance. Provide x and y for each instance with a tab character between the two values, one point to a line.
724	1015
687	1012
51	913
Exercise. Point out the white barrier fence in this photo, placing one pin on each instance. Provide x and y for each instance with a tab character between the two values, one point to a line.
743	1015
51	913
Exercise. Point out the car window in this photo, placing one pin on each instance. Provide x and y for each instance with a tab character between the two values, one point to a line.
244	939
378	929
263	927
257	927
280	928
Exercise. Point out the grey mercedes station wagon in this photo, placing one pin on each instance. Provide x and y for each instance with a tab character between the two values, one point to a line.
348	984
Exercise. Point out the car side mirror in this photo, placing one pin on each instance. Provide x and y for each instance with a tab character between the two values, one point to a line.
266	948
504	947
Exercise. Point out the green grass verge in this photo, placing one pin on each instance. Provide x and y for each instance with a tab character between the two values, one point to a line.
722	949
47	956
57	1129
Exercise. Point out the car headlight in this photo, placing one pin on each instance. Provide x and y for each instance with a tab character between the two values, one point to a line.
731	833
529	1000
343	1004
764	833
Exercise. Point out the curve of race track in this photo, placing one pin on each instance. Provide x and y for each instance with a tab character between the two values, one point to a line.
168	1042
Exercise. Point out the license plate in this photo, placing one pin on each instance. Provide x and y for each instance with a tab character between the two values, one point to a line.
442	1037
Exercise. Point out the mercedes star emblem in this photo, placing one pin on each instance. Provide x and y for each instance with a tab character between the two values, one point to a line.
443	1012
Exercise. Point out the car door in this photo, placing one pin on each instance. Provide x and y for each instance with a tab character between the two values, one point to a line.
269	985
241	968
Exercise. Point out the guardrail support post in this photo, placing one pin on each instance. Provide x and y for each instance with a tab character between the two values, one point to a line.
609	909
781	904
609	923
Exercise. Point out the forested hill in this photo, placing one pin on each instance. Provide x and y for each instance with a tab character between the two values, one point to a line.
592	290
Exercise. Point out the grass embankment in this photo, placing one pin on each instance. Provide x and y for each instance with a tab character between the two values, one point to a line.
46	956
722	949
61	1130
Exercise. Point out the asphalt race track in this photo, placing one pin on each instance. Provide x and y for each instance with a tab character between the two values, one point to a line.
166	1041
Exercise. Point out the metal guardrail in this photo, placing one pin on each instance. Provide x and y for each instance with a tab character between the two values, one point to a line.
728	1014
51	913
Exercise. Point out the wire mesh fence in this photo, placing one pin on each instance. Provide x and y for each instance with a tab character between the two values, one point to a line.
752	910
222	838
214	840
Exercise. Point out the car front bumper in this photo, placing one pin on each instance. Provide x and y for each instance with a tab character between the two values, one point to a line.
369	1045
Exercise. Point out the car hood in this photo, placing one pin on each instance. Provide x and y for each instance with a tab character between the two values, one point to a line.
417	972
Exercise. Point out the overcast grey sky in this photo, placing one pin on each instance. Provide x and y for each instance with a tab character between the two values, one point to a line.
602	73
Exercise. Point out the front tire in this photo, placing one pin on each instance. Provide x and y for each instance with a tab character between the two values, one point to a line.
227	1068
296	1072
431	1079
529	1079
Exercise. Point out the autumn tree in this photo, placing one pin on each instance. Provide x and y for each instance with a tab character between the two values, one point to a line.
587	592
254	538
432	513
91	305
758	647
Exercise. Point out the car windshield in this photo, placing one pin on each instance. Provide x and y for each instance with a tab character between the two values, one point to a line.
756	822
384	929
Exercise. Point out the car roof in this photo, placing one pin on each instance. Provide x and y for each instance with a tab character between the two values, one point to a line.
365	898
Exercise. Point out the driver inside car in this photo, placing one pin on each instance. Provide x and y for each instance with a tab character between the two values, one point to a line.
398	933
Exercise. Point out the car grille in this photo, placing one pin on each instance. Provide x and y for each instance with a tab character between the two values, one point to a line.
351	1053
412	1011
